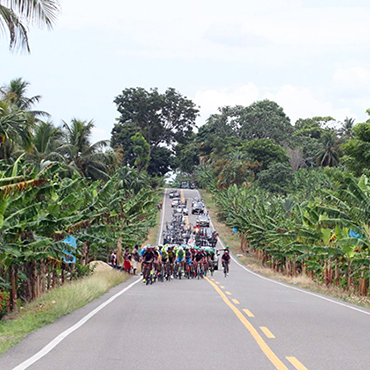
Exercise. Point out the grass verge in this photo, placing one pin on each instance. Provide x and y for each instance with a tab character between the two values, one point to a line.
248	260
57	303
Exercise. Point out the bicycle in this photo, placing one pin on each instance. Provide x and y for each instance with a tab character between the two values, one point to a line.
148	273
225	265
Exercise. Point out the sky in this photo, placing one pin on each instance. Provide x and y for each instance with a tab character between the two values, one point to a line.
311	57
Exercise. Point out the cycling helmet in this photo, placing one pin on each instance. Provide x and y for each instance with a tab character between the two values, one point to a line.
227	247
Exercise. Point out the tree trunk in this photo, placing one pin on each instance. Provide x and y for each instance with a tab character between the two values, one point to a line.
336	272
13	277
119	251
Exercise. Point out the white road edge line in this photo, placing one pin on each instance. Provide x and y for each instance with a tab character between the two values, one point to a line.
162	216
291	287
44	351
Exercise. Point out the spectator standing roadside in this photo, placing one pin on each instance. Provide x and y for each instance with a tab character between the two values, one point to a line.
113	259
135	259
126	260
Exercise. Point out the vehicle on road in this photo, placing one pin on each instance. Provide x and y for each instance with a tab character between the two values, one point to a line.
181	208
197	209
203	221
175	202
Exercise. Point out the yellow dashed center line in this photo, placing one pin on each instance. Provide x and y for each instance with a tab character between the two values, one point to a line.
249	314
267	332
217	283
228	293
222	287
235	301
296	363
257	337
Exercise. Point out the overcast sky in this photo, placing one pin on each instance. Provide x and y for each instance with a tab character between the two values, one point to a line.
311	57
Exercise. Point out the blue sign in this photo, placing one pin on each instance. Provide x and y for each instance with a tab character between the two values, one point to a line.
353	234
70	258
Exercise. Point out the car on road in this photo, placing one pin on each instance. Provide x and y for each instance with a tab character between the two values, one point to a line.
171	194
196	200
203	221
175	202
197	208
181	208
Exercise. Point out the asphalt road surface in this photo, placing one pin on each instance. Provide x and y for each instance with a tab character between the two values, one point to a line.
244	321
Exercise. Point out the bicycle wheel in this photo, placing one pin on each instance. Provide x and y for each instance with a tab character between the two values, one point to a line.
147	275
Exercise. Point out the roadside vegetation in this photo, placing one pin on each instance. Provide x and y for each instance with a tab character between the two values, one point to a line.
249	259
295	197
57	303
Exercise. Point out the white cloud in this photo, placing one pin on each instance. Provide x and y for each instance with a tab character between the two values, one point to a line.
353	78
297	102
211	99
285	28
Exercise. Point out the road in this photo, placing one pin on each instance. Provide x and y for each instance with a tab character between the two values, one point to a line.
244	321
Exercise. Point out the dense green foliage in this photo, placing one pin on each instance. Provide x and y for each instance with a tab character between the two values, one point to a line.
55	183
164	120
289	192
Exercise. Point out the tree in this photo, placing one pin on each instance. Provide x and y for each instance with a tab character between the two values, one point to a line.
346	129
278	178
329	155
141	151
265	120
162	119
187	157
161	161
17	15
13	129
265	151
261	120
87	158
46	140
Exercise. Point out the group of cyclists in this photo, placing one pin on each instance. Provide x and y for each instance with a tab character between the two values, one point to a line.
177	261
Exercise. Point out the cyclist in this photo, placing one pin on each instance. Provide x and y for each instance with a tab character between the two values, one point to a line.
180	258
225	261
148	258
171	258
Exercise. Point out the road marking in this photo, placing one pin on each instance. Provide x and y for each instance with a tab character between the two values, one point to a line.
222	287
262	344
44	351
182	196
217	282
267	332
228	293
288	286
296	363
248	313
235	301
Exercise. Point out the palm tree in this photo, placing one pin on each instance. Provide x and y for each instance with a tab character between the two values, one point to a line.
329	154
16	15
46	141
347	128
89	159
13	129
15	94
